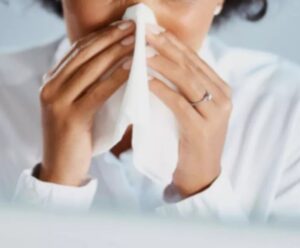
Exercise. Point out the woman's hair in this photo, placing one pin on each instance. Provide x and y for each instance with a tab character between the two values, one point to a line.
252	10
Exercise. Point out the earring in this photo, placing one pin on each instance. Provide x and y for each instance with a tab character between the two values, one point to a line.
218	9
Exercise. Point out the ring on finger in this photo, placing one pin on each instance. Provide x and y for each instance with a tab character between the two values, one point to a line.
206	97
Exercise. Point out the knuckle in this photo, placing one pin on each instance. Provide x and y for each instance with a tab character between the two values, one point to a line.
49	102
162	40
45	94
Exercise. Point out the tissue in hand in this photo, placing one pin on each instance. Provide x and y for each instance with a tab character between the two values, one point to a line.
155	132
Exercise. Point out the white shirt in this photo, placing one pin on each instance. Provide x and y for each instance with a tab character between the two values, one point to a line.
260	177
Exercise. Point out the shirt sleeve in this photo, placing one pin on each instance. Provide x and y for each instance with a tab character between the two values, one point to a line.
35	193
282	203
218	202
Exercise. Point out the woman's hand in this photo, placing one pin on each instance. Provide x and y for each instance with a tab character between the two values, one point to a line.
202	128
75	89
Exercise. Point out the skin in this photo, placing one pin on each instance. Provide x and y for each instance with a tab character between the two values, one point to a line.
74	90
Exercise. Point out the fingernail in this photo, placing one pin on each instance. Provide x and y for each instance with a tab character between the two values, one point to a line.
128	40
127	64
115	23
125	25
150	52
154	29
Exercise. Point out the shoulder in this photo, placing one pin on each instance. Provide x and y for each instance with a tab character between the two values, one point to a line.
266	92
24	66
256	70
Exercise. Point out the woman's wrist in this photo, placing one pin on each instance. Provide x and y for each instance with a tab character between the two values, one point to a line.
182	187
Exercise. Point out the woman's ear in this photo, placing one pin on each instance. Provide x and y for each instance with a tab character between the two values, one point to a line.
218	9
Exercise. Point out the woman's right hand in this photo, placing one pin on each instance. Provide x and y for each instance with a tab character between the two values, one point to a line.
75	89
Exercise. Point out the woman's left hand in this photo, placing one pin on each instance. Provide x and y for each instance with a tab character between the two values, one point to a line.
202	127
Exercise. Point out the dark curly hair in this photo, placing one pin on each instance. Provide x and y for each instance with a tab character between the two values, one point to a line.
252	10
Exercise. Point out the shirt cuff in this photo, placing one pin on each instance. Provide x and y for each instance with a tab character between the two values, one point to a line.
218	202
36	193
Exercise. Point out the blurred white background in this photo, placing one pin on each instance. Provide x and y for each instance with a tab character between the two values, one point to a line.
24	24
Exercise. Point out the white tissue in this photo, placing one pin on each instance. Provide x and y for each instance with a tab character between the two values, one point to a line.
155	132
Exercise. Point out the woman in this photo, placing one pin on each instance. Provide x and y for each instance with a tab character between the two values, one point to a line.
252	104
